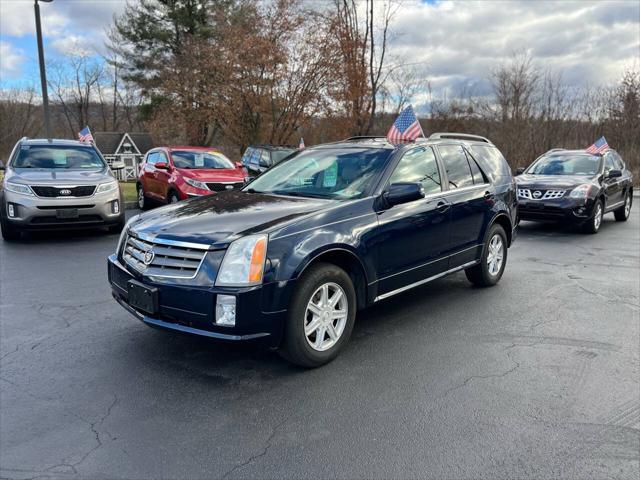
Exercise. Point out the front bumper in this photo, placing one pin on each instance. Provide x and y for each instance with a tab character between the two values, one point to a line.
191	308
39	213
571	210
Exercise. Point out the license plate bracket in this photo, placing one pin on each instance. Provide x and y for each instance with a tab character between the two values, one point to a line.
64	213
142	297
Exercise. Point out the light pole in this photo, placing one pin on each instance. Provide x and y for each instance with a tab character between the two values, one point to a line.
43	74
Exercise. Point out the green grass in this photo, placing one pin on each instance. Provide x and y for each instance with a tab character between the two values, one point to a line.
129	191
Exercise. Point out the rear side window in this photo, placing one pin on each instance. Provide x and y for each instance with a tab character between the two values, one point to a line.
419	165
478	178
457	166
491	161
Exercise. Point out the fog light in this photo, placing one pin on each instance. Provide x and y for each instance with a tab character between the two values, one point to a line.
11	210
226	310
116	206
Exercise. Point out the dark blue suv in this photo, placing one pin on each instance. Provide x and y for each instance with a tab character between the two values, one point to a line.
333	229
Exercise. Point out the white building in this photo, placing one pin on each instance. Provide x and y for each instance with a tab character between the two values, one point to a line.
125	147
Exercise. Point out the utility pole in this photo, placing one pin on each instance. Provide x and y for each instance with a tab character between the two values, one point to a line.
43	73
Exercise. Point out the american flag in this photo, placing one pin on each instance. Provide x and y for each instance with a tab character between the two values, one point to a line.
600	146
406	127
301	145
85	135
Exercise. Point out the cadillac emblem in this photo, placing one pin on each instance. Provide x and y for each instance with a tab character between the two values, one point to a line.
148	257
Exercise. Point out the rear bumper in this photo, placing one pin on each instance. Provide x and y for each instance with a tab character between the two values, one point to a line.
566	210
191	309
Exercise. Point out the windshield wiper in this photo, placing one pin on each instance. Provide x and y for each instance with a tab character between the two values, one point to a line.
298	194
252	190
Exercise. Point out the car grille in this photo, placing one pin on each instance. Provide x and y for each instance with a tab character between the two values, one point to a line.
78	191
162	260
222	186
543	195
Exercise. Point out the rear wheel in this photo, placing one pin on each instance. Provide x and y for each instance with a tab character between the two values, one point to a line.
593	224
622	213
321	316
143	203
9	232
173	197
493	261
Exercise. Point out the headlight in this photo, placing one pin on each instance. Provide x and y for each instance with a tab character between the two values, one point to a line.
196	183
107	187
243	264
581	191
123	234
18	188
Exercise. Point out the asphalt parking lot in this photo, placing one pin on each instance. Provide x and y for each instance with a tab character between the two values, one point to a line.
537	377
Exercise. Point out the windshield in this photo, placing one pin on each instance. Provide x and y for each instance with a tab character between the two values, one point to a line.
278	155
566	165
200	160
58	156
326	173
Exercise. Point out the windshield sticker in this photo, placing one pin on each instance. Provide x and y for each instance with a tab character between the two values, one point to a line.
59	157
330	176
199	160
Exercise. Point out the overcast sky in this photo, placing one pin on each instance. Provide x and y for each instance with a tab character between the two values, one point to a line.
459	42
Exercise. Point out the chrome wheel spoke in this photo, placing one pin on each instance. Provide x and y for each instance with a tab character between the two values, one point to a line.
331	330
335	298
495	255
312	326
326	316
320	333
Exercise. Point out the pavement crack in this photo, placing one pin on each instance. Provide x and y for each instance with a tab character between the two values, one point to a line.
259	455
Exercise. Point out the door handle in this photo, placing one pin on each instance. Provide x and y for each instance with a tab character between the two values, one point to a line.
442	206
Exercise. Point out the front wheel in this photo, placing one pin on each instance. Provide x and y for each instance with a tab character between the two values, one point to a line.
9	232
493	261
143	203
173	198
622	213
593	224
321	316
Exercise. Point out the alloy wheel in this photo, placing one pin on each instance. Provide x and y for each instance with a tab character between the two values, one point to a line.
140	198
495	255
627	205
597	219
325	317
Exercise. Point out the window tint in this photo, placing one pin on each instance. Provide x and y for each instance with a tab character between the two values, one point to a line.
478	178
457	166
419	165
608	163
491	161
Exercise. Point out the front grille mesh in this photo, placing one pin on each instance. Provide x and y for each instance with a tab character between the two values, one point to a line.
544	194
167	260
79	191
220	186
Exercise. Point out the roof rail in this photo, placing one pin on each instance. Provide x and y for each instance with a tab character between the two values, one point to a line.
367	137
458	136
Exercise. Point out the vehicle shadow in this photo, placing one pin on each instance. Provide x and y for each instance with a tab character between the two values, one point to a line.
553	228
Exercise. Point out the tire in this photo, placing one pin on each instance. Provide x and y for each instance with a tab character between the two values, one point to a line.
593	224
117	228
493	260
622	213
143	201
320	282
9	232
173	197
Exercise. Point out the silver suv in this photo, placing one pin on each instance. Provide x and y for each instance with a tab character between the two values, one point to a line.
58	184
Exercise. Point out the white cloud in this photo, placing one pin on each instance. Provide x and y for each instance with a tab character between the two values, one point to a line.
11	61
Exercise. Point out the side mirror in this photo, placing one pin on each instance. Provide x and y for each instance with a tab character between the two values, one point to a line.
403	192
520	170
117	165
238	164
162	165
614	174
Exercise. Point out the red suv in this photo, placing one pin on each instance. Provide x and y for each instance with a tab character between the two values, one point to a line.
170	174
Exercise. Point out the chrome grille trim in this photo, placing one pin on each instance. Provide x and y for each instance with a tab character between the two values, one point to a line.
169	261
545	194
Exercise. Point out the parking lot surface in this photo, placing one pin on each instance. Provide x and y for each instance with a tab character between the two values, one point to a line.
537	377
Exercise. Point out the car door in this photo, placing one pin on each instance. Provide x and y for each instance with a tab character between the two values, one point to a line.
470	196
148	174
612	186
413	237
162	176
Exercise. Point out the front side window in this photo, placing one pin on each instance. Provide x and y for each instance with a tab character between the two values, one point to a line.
255	156
152	158
609	163
198	160
265	161
58	157
247	155
455	162
566	164
278	155
419	165
340	173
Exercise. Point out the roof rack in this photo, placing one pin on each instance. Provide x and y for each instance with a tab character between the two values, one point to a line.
367	137
458	136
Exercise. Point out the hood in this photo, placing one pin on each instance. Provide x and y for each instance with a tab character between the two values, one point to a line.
214	174
552	181
35	176
219	219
